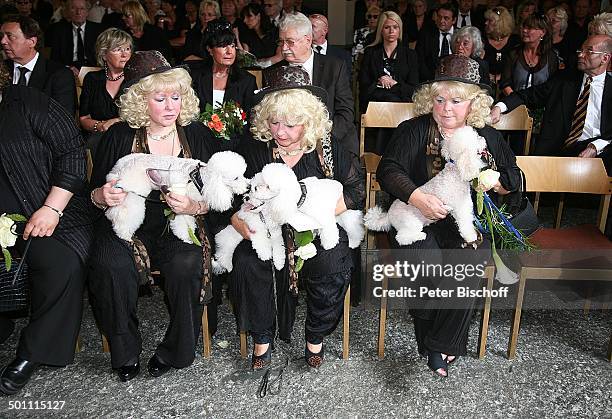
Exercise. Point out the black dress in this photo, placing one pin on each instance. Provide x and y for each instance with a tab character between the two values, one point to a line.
260	47
96	102
402	169
114	278
325	277
153	38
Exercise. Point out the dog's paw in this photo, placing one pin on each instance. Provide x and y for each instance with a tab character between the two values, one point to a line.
408	237
217	268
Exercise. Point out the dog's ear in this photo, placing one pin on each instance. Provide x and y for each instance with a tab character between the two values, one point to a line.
215	192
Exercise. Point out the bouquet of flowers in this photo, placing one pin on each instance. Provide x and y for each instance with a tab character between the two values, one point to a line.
305	247
245	59
8	237
225	121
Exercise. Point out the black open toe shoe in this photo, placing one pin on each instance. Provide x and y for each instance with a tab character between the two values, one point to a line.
259	362
314	360
436	363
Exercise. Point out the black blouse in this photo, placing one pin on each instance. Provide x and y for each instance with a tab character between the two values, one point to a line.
497	57
260	47
347	171
153	38
95	99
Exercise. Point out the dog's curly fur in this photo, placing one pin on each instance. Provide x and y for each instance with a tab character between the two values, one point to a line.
138	174
452	186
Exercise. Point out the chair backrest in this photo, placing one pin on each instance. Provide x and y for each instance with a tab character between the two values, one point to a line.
83	72
568	174
384	115
257	74
517	120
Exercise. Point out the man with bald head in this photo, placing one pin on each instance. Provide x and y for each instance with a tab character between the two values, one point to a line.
320	28
578	105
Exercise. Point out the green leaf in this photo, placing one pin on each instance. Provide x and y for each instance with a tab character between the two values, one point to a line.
193	237
16	217
299	264
302	238
7	259
479	202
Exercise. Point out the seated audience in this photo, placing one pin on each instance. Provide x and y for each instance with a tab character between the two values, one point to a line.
320	29
557	17
260	36
365	36
417	20
467	41
207	11
434	42
498	41
146	36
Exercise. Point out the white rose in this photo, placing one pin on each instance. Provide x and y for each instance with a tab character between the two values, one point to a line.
306	252
7	238
487	179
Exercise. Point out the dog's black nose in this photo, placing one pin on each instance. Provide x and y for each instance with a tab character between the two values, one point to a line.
246	198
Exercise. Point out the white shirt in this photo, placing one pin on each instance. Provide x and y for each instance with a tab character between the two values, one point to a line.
74	40
323	48
30	66
218	96
448	37
307	65
592	123
468	19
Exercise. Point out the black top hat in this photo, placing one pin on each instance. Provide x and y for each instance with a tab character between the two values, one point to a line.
456	67
144	63
289	77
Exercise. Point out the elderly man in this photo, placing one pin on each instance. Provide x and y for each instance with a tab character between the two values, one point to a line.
73	43
21	39
578	106
434	42
320	28
273	9
295	41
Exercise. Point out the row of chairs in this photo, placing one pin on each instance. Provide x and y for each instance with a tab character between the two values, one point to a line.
543	174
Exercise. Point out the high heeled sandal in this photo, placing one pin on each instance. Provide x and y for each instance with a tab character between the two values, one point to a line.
450	361
314	360
435	363
259	362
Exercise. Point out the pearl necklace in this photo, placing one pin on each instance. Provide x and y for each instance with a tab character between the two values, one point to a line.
109	78
280	152
159	138
220	75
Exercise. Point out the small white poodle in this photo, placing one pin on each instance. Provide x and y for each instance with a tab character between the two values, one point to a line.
309	204
267	239
452	186
214	182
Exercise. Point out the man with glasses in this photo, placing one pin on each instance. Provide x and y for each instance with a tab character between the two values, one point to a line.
295	42
273	9
578	106
73	43
21	38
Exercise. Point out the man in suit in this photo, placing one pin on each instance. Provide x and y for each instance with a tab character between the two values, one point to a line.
21	39
320	29
73	43
434	42
273	9
578	106
295	40
468	17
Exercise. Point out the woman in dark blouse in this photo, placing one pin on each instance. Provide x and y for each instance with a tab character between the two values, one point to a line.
97	108
146	36
499	40
207	11
291	126
260	36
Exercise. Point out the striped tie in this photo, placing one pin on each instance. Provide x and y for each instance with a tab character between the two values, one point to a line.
579	115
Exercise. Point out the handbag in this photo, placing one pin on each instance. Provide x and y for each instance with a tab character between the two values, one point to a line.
525	218
14	289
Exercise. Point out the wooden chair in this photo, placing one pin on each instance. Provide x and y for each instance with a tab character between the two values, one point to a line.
569	175
258	77
379	115
82	73
517	120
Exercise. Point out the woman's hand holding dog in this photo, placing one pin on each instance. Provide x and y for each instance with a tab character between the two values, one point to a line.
241	227
430	205
109	195
181	204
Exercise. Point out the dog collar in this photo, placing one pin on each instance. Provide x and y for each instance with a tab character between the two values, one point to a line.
303	197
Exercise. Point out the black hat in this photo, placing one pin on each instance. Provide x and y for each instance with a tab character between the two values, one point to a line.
289	77
456	67
144	63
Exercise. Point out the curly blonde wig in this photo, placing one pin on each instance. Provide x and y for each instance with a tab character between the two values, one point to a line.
292	107
480	101
133	106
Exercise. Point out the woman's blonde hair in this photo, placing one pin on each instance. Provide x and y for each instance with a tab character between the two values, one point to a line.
209	3
504	22
138	12
292	107
481	102
560	13
109	40
601	24
381	21
133	107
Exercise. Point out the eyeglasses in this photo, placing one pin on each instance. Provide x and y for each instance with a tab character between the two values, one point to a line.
497	11
290	42
589	52
372	16
120	50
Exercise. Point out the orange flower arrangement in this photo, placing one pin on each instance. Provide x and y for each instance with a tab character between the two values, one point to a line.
225	121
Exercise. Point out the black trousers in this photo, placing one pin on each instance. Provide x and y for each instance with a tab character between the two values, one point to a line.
57	278
114	282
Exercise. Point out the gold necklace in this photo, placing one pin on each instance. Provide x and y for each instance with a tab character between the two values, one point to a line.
280	152
220	75
160	138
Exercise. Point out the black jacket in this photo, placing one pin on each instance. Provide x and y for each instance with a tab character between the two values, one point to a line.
59	37
42	147
54	79
558	96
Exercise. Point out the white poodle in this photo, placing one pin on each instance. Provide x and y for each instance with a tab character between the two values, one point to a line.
309	204
452	186
267	239
217	182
